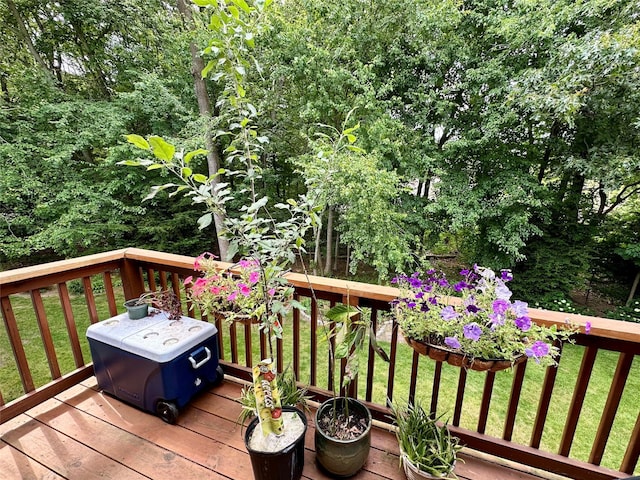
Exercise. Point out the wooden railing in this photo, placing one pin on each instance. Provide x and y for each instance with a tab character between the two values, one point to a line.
561	394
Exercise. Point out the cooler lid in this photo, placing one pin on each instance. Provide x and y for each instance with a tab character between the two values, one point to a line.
155	337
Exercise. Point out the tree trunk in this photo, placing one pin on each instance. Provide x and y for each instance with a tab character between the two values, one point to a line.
24	35
4	88
317	256
204	106
327	265
632	293
335	253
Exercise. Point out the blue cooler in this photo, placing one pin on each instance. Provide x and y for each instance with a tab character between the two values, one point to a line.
155	363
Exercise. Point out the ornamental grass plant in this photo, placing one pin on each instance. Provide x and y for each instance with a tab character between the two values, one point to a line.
474	315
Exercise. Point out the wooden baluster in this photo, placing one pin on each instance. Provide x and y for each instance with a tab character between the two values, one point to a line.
175	285
233	340
352	389
392	360
296	339
45	334
462	382
613	401
371	356
16	345
164	284
514	399
630	459
588	359
151	279
111	297
543	403
313	359
280	349
414	377
219	322
332	348
263	345
487	391
435	389
63	294
90	300
248	343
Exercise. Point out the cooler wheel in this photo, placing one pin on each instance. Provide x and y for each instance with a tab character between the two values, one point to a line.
167	411
219	375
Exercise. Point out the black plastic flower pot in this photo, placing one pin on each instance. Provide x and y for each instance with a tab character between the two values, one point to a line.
285	464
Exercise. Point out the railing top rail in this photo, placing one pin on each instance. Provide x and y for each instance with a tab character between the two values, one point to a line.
601	327
47	269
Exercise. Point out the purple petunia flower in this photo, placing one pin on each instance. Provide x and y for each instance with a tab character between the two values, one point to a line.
452	342
458	287
523	323
424	307
473	308
506	275
496	319
502	291
537	350
500	306
449	313
411	305
464	272
519	308
472	331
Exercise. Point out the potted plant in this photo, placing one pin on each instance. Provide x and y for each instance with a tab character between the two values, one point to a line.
291	395
482	330
427	448
343	424
164	300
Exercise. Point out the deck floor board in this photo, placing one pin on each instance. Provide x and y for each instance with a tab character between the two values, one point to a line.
84	433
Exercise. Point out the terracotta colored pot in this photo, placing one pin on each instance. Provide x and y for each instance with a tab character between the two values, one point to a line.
457	359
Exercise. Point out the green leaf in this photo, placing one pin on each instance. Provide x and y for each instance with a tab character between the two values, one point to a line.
234	12
243	5
155	166
162	149
189	156
205	220
352	129
186	172
351	138
342	312
353	148
130	163
138	141
208	68
198	177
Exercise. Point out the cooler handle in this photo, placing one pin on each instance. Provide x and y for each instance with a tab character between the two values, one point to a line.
207	357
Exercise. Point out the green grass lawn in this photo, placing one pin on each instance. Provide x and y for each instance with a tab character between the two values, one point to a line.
570	363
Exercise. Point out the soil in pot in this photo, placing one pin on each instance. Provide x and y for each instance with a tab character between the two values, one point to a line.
278	457
342	447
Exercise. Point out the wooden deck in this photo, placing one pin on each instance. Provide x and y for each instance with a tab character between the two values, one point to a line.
85	434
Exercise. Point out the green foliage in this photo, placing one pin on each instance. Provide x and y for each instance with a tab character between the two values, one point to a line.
629	313
426	443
